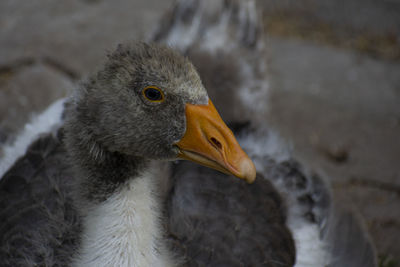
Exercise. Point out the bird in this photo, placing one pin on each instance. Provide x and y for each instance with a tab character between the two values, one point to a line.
284	218
101	209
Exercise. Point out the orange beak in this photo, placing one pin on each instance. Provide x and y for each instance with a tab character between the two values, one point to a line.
209	142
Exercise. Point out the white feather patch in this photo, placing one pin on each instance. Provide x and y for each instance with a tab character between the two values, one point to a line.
45	122
311	251
124	230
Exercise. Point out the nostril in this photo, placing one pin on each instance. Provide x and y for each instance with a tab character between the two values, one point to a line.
216	143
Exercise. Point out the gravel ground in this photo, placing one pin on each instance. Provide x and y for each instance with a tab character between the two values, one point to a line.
335	94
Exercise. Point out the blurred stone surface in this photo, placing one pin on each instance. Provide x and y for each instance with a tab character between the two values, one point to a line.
371	15
335	93
368	26
379	208
75	34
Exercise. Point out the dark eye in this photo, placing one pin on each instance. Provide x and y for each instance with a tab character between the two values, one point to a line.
153	94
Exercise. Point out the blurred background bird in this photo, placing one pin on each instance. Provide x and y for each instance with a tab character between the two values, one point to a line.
259	76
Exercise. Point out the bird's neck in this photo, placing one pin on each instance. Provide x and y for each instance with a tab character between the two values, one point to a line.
120	211
124	229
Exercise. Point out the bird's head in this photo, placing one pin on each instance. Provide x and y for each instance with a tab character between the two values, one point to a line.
148	101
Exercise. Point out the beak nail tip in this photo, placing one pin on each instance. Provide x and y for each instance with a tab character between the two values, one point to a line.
248	170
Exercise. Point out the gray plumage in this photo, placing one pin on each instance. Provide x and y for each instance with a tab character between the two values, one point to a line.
39	222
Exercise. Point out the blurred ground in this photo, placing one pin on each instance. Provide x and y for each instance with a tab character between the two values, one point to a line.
335	95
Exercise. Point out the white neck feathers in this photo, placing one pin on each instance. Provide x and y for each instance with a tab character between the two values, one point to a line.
124	230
